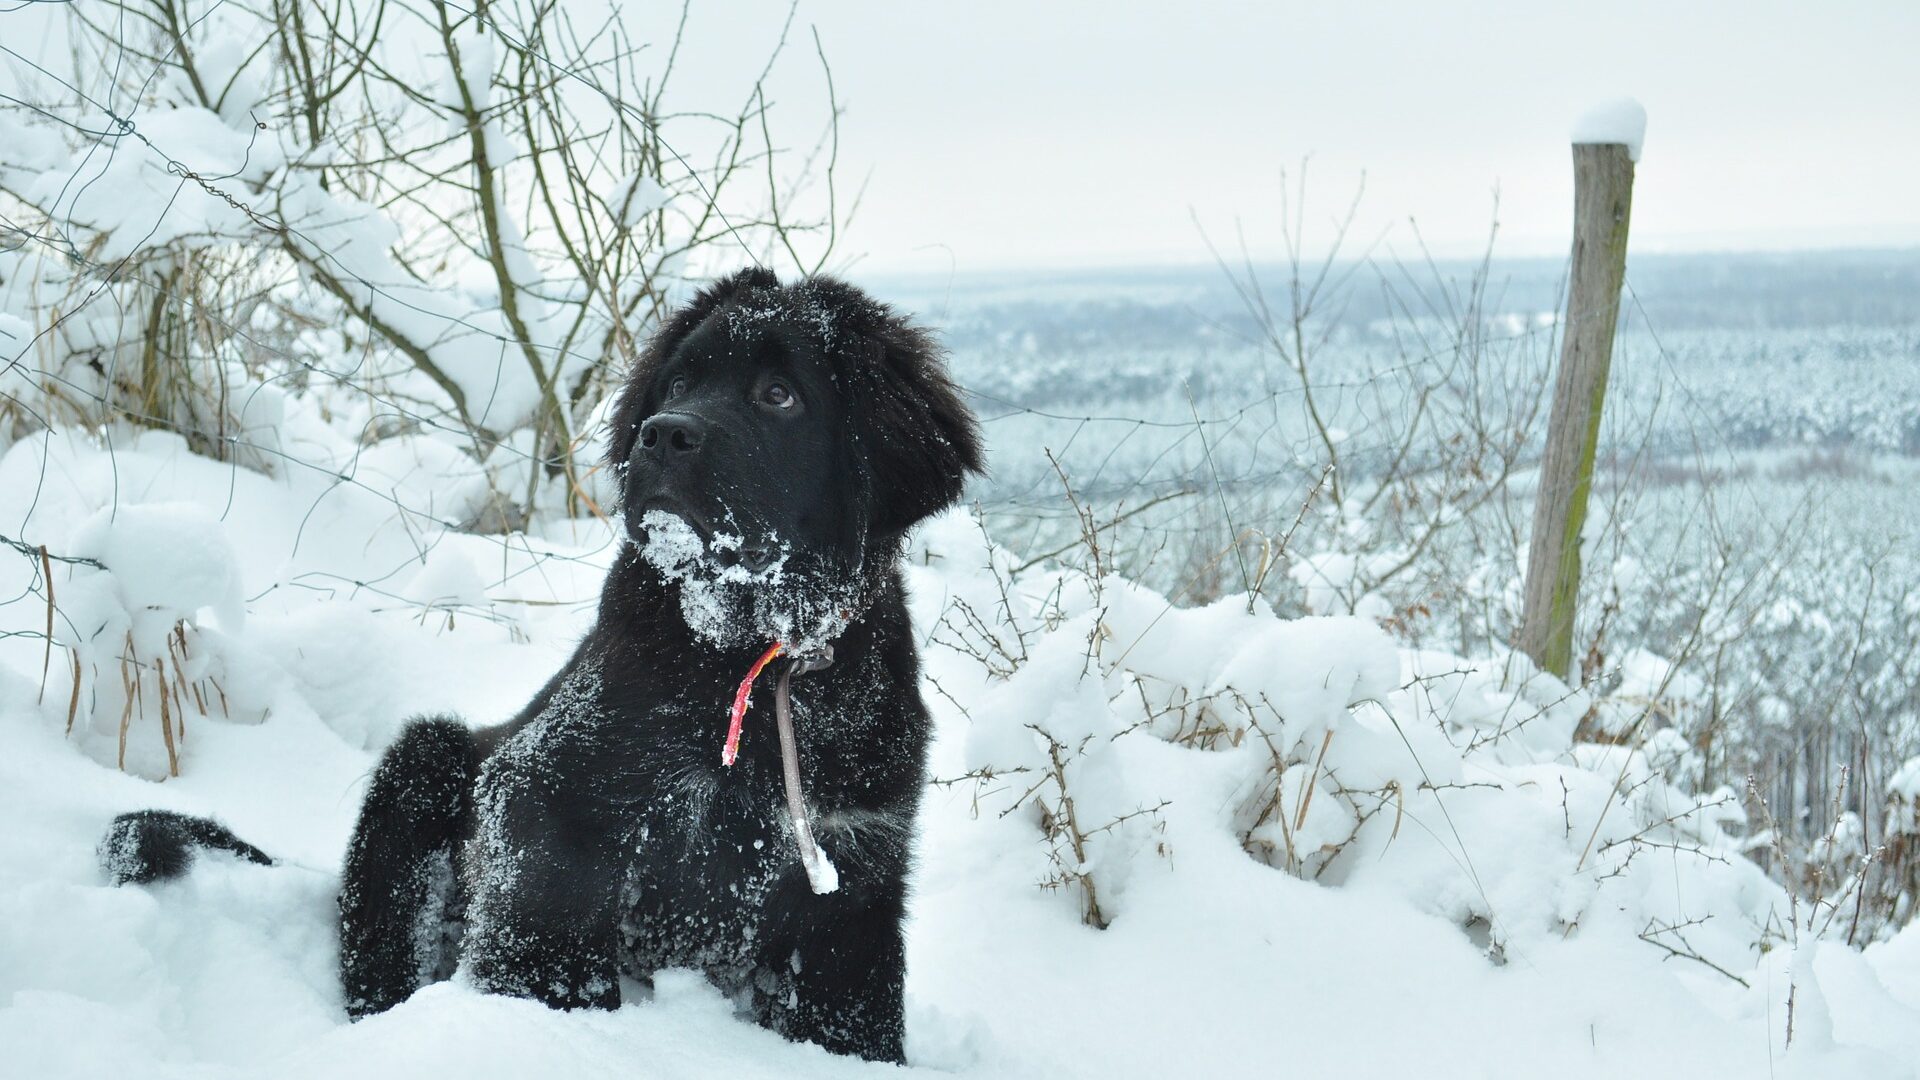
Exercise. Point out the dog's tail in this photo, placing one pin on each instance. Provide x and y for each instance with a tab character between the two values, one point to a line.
158	845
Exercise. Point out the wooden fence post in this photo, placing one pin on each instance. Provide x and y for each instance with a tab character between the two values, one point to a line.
1602	203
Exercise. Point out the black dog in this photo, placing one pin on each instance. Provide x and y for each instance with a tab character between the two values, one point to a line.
773	446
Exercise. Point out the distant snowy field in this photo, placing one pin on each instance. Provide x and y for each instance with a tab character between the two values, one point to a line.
1482	905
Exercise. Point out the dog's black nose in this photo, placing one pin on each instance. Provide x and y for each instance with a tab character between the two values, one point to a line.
673	433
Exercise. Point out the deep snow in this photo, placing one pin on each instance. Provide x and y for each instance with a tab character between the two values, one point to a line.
1464	930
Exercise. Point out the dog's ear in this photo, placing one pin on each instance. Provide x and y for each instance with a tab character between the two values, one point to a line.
921	441
629	410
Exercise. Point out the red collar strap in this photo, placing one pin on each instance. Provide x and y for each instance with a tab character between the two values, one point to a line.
739	716
821	875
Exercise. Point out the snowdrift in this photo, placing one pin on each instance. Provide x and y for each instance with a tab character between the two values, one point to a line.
1164	840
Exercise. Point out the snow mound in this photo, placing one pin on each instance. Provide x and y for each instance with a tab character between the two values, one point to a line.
168	559
1297	834
143	659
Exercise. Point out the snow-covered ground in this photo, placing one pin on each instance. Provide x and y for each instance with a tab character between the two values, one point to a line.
1317	854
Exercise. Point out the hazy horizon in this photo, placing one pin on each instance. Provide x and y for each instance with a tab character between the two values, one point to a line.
1000	136
1204	260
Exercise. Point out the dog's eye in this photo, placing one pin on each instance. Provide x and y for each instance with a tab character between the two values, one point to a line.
677	387
778	395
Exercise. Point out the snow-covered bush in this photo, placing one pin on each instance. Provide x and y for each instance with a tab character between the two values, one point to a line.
150	621
1131	736
1742	614
439	218
1895	889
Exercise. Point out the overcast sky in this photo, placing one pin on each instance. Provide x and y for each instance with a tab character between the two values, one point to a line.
996	134
1062	134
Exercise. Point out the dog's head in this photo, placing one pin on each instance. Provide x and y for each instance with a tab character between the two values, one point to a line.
775	442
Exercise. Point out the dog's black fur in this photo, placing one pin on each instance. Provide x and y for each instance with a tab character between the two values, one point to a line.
596	834
153	845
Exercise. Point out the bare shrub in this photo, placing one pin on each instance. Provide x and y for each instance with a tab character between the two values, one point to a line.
481	208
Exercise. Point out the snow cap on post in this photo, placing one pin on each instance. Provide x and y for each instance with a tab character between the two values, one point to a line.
1620	120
